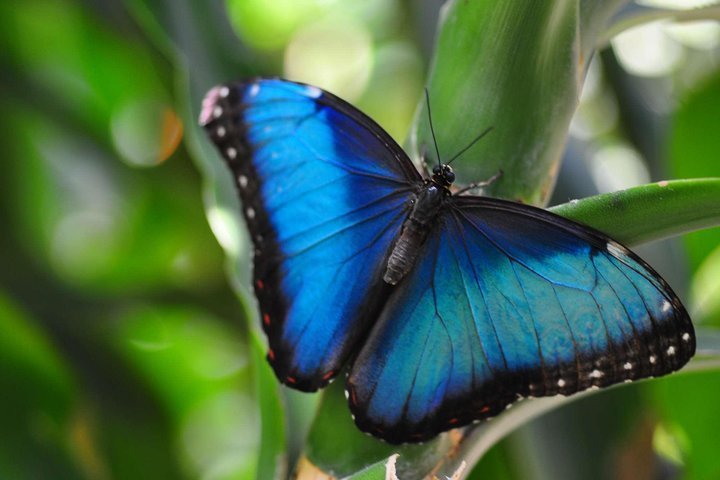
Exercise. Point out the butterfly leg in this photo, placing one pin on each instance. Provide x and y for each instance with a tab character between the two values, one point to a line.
481	185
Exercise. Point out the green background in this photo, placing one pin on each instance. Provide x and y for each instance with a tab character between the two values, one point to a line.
129	346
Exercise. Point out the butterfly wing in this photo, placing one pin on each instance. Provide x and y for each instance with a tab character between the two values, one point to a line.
324	192
509	301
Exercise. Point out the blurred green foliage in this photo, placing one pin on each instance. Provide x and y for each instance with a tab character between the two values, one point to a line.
124	353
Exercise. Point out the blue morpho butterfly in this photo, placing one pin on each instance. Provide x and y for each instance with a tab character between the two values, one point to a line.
448	307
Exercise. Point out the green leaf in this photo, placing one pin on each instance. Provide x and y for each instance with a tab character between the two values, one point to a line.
649	212
336	446
638	14
694	148
498	464
595	15
518	67
687	405
512	66
382	470
271	462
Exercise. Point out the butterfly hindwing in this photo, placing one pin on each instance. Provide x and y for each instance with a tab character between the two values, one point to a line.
509	301
324	193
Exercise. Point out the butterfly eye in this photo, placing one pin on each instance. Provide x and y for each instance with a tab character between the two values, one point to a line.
436	170
449	176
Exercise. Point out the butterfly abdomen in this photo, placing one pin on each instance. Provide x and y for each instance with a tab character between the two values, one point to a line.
414	232
405	252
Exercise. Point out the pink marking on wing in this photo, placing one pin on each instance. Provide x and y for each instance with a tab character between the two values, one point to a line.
208	105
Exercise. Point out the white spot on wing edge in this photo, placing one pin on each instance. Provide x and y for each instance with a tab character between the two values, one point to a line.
627	366
686	337
250	213
615	249
561	383
221	131
652	359
217	111
231	153
313	92
243	181
666	306
224	91
254	90
671	350
596	374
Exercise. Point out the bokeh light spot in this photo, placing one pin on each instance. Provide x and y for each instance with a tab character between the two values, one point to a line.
220	436
597	112
675	4
225	227
617	167
81	244
145	132
647	50
335	54
703	35
671	442
269	24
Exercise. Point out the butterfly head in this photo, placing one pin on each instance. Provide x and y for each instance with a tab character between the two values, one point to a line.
443	175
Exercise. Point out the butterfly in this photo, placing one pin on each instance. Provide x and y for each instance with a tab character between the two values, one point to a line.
447	308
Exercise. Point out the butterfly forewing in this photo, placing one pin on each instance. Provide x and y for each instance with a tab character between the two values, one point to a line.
324	192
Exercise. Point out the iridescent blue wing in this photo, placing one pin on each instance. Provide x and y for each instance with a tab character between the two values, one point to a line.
508	301
324	192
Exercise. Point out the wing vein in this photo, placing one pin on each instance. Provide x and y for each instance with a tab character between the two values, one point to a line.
572	334
482	294
471	328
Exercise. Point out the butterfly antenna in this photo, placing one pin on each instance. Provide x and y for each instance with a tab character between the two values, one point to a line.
432	130
487	130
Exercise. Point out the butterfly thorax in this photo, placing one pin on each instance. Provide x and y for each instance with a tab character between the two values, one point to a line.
425	207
